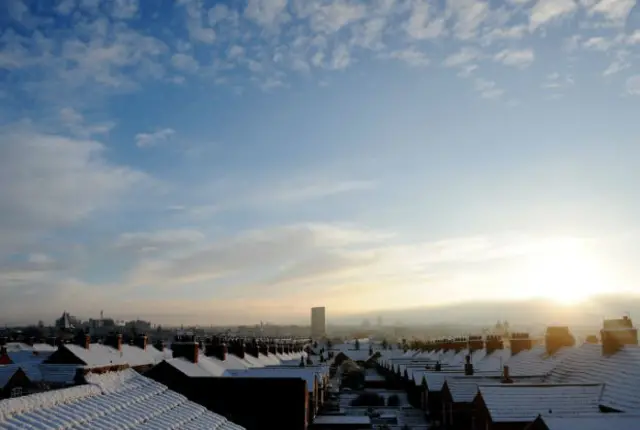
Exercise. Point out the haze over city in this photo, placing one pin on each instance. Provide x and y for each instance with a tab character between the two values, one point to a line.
230	162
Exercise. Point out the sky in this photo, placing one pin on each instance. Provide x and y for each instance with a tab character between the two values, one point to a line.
217	162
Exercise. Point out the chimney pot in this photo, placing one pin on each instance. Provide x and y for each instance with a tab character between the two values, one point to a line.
617	333
506	378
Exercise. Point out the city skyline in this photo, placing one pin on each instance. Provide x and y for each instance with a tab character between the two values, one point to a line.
227	161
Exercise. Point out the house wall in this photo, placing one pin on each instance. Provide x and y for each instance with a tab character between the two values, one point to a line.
19	379
253	403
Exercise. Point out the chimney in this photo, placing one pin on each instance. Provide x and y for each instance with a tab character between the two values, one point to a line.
263	349
280	349
252	349
273	349
51	340
558	337
114	340
459	344
238	348
468	367
506	378
493	343
83	340
520	342
159	345
141	341
616	333
592	338
285	348
475	343
438	366
218	351
186	347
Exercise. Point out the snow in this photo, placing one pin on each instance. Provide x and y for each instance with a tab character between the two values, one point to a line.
114	400
523	403
593	422
97	355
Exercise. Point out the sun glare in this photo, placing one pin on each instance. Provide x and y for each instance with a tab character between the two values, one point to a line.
564	274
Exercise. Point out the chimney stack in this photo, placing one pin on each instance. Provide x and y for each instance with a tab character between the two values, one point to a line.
238	348
51	341
280	349
520	342
252	349
468	366
186	346
83	339
159	345
438	366
459	344
558	337
273	349
506	378
493	343
475	343
263	348
592	338
617	333
114	340
141	341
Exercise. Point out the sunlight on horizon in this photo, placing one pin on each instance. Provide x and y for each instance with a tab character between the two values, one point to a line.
567	274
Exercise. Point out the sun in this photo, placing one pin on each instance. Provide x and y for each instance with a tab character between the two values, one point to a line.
564	273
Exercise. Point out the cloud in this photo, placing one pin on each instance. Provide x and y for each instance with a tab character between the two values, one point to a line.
421	25
185	63
50	181
145	140
411	56
267	13
158	240
597	43
487	89
464	56
515	58
340	58
124	9
545	11
633	85
614	10
470	15
75	122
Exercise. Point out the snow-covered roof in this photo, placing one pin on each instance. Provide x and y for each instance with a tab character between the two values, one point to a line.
593	422
465	388
205	367
97	355
44	348
136	356
111	401
523	403
619	372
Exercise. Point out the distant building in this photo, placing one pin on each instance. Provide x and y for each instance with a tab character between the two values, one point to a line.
318	322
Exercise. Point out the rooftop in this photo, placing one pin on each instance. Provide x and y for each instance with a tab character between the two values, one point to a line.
110	401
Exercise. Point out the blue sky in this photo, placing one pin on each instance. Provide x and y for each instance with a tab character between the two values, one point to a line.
203	161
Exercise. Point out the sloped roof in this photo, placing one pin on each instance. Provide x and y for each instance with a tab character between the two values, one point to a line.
593	422
204	367
136	356
111	401
97	355
465	388
619	372
523	403
6	373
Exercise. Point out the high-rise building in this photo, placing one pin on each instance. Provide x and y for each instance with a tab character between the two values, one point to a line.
318	322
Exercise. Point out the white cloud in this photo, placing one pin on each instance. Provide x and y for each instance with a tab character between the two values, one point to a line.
504	33
545	11
369	34
487	89
124	9
464	56
340	58
614	10
515	58
469	14
411	56
75	122
195	21
267	13
48	181
633	85
421	24
598	43
144	140
185	63
331	17
158	240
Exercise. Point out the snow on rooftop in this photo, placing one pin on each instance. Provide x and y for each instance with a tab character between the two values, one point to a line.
97	355
593	422
114	400
204	368
619	372
523	403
